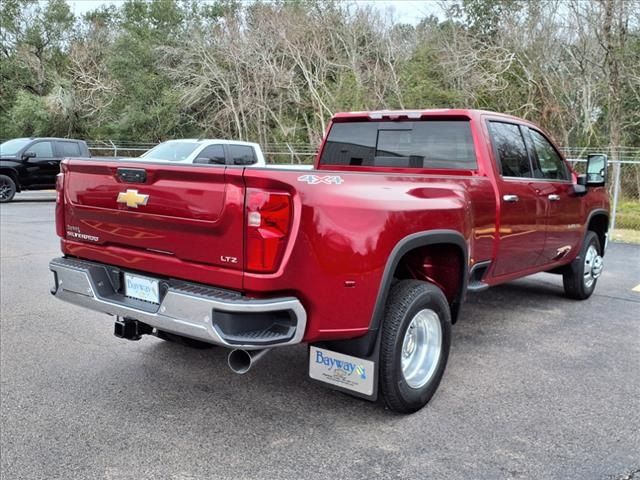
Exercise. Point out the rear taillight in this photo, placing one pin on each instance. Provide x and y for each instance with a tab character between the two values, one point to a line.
268	223
60	230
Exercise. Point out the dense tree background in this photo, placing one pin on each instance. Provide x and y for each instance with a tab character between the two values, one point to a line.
276	71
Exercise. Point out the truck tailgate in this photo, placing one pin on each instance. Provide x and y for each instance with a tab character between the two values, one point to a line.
184	216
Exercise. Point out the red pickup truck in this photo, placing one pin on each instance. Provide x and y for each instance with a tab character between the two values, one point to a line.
367	258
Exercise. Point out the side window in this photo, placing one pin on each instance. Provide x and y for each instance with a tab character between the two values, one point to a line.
68	149
242	155
42	149
549	161
510	149
214	155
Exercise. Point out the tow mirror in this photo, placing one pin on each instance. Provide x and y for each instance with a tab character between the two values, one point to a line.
580	187
28	155
596	170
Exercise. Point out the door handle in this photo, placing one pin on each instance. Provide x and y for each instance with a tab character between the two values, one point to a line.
553	197
510	198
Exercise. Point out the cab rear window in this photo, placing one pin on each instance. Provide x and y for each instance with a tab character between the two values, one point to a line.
437	144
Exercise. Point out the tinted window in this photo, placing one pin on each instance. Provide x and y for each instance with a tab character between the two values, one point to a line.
213	153
510	149
422	144
69	149
242	155
549	162
42	149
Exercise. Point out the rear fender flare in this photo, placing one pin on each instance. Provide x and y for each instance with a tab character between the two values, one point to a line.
411	242
364	346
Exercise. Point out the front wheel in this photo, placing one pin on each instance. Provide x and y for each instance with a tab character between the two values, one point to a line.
581	276
7	188
416	337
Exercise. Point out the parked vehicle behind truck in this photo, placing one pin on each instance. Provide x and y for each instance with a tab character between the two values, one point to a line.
367	258
33	163
206	151
212	152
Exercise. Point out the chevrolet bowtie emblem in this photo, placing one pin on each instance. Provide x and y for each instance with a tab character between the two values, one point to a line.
132	198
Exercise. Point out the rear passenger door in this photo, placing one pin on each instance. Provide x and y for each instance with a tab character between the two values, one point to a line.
66	149
522	211
555	185
241	155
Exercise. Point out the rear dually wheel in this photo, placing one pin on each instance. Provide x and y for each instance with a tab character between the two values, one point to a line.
416	336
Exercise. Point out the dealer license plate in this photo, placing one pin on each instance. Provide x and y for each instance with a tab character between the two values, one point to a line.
141	288
344	371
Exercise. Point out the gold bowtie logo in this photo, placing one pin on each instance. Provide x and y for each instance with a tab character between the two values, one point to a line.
132	198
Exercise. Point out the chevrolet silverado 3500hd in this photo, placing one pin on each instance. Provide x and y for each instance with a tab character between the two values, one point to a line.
367	258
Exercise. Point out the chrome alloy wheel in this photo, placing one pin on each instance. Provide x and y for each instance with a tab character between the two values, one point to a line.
593	266
421	348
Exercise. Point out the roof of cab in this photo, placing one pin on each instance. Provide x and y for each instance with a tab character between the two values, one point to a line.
419	113
206	141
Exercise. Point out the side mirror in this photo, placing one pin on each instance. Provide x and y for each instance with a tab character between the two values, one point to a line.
580	187
596	170
28	155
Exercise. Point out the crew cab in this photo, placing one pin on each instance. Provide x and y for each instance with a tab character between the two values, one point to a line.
367	258
206	151
33	163
213	152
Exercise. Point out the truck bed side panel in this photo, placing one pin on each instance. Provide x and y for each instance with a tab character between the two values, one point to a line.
344	232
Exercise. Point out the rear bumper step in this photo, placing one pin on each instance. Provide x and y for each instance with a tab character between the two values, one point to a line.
213	315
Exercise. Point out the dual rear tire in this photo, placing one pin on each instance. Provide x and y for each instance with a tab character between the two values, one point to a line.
415	342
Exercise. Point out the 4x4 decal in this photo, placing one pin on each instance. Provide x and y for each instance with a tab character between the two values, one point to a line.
315	179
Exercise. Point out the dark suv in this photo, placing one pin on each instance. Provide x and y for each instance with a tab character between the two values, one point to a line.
33	163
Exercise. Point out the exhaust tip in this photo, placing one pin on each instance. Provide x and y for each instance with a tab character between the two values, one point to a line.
239	361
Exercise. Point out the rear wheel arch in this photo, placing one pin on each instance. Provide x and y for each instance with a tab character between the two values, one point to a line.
422	243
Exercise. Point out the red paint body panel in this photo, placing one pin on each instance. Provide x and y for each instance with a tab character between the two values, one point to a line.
340	235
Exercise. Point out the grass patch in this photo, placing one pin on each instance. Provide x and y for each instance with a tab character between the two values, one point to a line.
628	215
626	235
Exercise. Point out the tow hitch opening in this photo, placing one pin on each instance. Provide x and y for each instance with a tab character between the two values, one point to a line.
131	329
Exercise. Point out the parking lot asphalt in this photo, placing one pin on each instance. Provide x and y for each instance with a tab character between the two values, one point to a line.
537	387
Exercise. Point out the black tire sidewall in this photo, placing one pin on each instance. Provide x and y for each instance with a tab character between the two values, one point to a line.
574	279
398	394
590	239
14	188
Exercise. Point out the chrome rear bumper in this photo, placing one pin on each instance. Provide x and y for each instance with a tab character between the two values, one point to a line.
197	311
